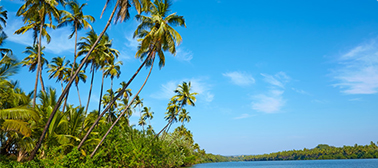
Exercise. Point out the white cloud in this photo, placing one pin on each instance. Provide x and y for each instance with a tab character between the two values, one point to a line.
243	116
269	103
300	91
240	78
59	37
279	79
272	101
358	70
198	85
184	55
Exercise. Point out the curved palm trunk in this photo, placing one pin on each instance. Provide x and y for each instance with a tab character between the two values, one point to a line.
124	111
102	88
170	121
110	103
38	145
90	90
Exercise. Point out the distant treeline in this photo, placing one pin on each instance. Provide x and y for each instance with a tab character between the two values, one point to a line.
322	151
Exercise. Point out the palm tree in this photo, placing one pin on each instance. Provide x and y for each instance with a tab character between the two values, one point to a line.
161	37
78	21
33	24
106	99
102	54
32	61
58	69
183	97
138	102
147	114
42	8
112	70
184	116
142	122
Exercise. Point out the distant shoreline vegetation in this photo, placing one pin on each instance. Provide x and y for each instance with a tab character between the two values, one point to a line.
320	152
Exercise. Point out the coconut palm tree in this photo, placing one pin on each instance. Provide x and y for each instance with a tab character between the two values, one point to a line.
112	70
183	97
147	113
31	61
33	24
102	54
58	69
156	36
142	122
29	11
184	116
78	20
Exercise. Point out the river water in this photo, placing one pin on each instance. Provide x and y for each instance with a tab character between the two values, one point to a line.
351	163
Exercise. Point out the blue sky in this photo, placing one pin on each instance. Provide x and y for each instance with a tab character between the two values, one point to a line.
271	75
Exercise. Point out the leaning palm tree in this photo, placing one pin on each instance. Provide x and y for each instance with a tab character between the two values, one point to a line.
183	97
31	61
156	36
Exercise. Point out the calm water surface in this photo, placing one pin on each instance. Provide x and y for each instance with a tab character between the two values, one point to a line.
355	163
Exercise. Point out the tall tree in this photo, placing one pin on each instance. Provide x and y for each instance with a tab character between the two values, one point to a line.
42	8
78	20
183	97
101	55
147	113
184	116
161	37
58	69
31	60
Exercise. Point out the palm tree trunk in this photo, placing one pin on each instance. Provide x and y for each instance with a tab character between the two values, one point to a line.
102	87
42	84
38	145
39	59
78	93
123	112
35	88
90	89
34	152
110	103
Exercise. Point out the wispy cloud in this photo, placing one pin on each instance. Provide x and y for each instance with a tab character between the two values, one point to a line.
59	37
183	54
272	101
357	72
279	79
243	116
269	103
240	78
199	85
300	91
